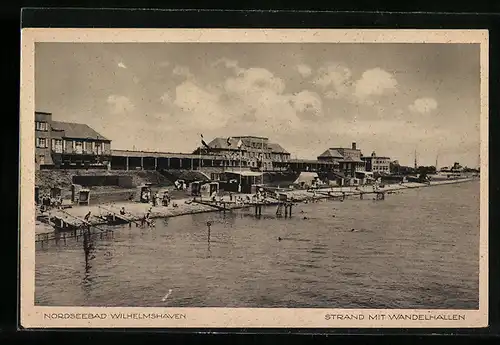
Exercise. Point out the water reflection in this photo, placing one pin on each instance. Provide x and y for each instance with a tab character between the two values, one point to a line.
164	221
89	252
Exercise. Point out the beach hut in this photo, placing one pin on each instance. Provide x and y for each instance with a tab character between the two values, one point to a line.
354	181
307	179
246	178
208	189
365	176
145	193
195	188
84	197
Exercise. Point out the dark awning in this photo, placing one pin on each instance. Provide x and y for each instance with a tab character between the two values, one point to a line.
339	174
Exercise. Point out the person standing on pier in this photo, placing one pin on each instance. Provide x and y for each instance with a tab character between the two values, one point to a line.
87	216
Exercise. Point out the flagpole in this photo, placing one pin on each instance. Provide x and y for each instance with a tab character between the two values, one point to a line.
240	172
262	161
199	159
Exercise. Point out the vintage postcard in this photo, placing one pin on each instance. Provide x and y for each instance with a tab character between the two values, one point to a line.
176	178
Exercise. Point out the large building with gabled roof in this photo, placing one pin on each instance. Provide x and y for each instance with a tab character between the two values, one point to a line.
256	152
346	160
69	145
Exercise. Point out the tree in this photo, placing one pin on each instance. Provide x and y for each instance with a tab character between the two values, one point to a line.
394	168
428	170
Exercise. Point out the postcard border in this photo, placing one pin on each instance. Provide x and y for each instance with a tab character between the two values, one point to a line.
33	316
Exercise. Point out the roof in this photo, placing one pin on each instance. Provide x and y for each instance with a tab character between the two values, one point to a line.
222	143
130	153
310	161
77	130
344	149
339	174
250	137
245	173
191	175
374	157
350	159
364	172
276	148
331	153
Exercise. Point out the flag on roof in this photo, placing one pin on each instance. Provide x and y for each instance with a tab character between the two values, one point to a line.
229	141
203	142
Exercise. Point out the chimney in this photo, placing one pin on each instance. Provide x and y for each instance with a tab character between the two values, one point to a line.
354	146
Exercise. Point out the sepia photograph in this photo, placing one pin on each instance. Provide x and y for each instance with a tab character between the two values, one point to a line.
298	179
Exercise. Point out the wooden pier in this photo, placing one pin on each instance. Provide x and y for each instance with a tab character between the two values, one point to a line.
223	208
58	236
117	218
68	226
379	195
284	206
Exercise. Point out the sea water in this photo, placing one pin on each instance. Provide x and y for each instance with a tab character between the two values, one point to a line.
418	248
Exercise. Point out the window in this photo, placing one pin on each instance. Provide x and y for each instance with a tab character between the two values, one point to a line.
42	143
57	145
41	126
98	148
78	146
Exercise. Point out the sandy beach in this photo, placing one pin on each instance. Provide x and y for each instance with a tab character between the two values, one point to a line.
135	211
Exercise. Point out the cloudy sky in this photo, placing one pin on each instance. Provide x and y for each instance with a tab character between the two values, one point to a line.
388	98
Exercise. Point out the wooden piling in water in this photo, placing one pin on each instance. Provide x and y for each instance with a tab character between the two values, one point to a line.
288	209
209	224
258	209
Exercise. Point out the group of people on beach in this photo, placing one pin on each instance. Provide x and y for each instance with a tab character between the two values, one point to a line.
47	202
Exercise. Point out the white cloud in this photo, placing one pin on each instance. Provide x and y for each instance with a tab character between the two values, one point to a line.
182	71
253	81
336	82
375	82
307	101
304	70
202	106
228	63
166	99
335	78
122	65
261	93
423	105
120	104
254	95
